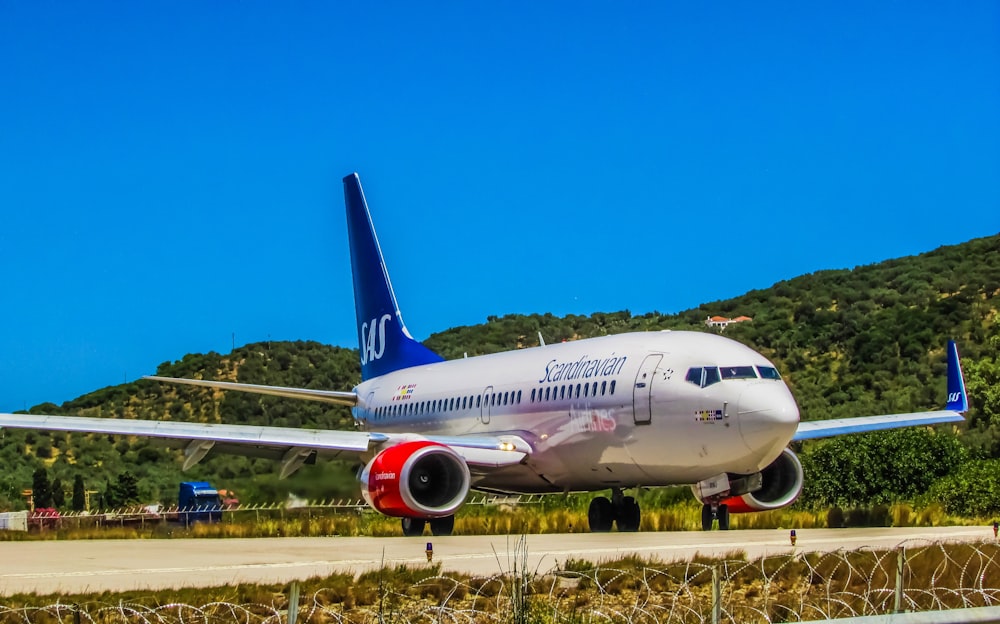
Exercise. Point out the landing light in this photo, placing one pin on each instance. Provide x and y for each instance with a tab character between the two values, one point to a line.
507	446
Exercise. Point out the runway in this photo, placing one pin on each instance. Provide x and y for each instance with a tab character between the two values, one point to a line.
90	566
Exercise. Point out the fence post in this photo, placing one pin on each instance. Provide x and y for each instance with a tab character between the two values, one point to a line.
716	596
900	561
293	603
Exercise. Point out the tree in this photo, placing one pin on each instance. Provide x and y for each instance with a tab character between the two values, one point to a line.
41	490
879	468
122	492
58	494
973	489
79	494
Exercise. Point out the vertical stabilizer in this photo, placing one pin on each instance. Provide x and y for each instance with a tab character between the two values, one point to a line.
383	340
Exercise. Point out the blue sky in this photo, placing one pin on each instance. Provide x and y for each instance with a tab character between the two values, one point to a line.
170	172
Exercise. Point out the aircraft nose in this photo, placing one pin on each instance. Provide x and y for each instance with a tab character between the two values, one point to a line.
768	416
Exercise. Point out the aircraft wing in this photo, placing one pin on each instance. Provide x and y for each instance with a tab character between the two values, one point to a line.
292	447
842	426
325	396
958	404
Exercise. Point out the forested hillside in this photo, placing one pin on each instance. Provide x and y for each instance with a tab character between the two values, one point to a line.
849	342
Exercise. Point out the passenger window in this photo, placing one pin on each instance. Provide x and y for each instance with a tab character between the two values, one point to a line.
593	391
612	386
479	402
562	392
546	394
585	388
518	397
604	387
738	372
532	395
505	397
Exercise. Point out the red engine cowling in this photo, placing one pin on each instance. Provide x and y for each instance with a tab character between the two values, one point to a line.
418	479
782	484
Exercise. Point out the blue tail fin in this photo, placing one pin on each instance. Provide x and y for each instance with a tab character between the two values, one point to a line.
957	399
384	342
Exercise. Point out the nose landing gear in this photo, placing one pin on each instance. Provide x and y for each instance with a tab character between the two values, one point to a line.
710	512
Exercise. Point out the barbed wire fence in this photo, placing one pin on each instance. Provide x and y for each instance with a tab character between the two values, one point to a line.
151	515
917	576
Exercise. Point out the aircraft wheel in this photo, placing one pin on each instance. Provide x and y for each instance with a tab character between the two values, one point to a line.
413	527
601	515
723	515
442	526
628	516
706	518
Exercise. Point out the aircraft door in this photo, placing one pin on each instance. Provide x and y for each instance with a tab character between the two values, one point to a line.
484	414
642	391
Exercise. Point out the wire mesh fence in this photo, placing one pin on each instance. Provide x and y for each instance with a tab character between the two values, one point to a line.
917	576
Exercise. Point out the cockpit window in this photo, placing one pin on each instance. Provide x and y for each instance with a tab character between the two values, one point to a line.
768	372
694	376
738	372
711	376
703	376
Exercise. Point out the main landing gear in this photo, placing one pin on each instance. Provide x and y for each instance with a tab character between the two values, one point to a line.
414	527
710	512
620	510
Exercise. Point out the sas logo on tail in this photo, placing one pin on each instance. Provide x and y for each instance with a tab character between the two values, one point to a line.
373	339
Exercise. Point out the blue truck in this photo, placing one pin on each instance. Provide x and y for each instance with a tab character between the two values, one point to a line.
198	501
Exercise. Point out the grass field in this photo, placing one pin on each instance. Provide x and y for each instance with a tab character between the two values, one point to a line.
633	590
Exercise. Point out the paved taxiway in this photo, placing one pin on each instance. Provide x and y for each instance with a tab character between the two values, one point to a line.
114	565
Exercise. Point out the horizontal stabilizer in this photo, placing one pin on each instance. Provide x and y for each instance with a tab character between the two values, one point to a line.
325	396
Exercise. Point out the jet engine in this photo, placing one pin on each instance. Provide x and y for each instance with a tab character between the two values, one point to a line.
781	484
418	479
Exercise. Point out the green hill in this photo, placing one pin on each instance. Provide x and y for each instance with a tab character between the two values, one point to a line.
849	342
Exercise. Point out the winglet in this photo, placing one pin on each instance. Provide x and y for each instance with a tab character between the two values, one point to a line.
958	400
384	342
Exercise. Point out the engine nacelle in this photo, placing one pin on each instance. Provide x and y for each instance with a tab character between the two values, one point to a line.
418	479
782	484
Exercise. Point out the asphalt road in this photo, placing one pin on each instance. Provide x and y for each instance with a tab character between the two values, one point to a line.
88	566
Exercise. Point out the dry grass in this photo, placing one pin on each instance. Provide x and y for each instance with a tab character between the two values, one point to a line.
471	520
631	589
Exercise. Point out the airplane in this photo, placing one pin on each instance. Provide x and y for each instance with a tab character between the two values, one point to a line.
611	413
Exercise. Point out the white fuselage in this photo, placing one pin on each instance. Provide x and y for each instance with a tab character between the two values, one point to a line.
616	411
